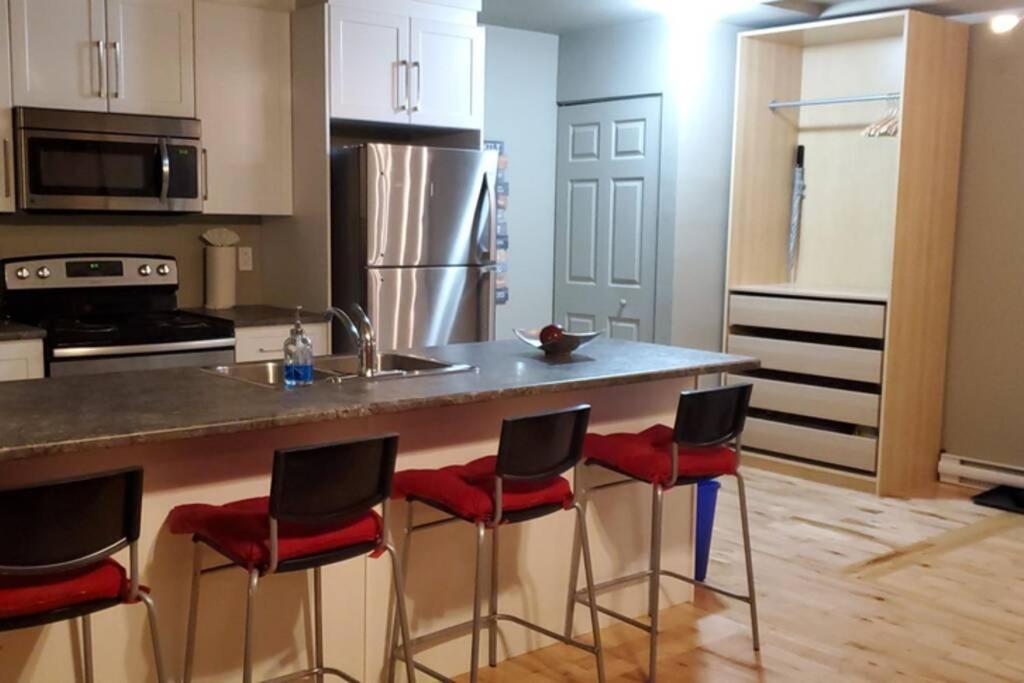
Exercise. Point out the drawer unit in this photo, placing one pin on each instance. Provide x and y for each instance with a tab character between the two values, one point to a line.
808	315
818	445
21	360
839	405
841	362
267	343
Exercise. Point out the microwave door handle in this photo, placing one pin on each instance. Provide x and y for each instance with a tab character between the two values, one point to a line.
165	170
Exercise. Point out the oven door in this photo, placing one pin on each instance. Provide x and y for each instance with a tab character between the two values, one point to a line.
63	171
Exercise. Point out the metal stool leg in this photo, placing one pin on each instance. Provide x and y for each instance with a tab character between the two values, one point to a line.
154	634
250	614
655	580
395	625
87	649
193	612
574	567
588	569
318	624
492	631
402	616
750	566
474	661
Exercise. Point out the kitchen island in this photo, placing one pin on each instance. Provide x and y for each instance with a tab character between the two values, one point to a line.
207	438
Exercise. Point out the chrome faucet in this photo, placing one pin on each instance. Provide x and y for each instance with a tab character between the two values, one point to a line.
362	331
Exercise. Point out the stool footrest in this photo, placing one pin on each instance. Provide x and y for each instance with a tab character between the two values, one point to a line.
629	621
322	671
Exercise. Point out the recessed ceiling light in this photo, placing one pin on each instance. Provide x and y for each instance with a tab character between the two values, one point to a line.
1004	23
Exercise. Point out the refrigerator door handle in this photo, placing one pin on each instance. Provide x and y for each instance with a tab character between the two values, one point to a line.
487	219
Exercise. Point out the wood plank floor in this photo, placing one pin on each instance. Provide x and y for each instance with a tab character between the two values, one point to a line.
851	588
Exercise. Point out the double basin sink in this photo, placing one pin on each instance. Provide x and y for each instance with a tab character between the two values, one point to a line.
341	369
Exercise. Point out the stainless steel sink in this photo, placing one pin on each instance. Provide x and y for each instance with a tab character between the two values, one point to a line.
339	369
392	366
263	374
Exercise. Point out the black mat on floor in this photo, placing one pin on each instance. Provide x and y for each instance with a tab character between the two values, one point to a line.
1007	498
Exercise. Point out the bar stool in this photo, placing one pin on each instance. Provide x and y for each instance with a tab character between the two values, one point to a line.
705	444
56	560
319	512
521	483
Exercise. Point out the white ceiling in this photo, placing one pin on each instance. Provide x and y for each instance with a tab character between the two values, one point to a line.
564	16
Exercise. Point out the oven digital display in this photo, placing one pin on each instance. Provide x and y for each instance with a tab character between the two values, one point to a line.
95	269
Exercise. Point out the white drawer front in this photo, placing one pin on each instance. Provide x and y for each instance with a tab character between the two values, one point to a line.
804	315
21	360
267	343
853	407
841	362
856	452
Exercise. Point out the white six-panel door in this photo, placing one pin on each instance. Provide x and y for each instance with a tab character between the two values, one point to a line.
606	227
151	57
447	74
56	50
369	56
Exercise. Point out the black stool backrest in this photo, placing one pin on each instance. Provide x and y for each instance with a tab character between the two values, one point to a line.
711	417
542	446
70	523
332	483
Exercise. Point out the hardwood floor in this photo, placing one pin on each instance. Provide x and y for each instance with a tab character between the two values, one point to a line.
850	588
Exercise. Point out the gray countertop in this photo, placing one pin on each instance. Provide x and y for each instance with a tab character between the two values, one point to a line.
11	331
67	414
257	316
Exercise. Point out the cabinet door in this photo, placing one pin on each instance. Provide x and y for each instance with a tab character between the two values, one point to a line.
6	121
57	50
369	54
21	360
243	97
447	74
151	57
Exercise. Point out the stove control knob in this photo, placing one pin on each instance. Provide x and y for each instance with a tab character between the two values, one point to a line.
23	273
163	269
145	270
43	273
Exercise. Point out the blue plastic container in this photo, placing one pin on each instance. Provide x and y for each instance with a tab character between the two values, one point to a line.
707	497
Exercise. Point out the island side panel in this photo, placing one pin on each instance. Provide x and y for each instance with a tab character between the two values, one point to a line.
534	556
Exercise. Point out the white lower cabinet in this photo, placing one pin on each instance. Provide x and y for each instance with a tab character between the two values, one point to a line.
21	360
267	343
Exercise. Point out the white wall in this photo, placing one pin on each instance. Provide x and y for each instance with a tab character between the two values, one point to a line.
692	64
520	109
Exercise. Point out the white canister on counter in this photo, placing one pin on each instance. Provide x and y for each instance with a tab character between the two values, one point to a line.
220	277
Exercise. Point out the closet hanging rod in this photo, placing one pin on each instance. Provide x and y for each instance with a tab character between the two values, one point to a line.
775	104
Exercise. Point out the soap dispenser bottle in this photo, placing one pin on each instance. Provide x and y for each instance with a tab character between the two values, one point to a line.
298	355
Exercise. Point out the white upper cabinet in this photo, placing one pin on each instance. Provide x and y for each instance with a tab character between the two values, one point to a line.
58	50
129	56
151	57
6	119
417	63
369	65
447	74
244	99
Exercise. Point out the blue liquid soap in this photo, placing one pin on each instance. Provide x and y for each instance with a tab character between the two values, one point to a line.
298	356
298	375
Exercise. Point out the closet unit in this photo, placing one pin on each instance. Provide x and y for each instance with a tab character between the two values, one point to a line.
851	326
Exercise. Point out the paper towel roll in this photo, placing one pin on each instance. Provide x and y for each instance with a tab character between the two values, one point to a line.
220	277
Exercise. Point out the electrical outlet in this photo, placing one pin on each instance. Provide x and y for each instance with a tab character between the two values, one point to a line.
245	259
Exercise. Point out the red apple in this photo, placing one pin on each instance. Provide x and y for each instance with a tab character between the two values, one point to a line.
551	334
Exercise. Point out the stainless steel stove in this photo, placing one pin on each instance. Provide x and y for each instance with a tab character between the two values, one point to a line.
111	312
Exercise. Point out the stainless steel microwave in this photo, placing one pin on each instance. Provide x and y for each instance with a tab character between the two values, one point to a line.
88	161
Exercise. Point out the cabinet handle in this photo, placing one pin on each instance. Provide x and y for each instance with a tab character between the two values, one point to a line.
206	175
116	46
401	104
263	350
101	50
419	85
7	171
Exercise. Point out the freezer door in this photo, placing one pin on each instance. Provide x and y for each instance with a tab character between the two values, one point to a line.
429	206
416	307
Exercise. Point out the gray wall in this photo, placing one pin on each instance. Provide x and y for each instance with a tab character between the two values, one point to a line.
693	67
986	367
520	109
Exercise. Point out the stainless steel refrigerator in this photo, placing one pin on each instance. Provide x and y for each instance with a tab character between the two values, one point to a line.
413	242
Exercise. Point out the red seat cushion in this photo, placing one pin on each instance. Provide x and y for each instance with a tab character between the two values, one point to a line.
241	531
27	595
467	491
648	456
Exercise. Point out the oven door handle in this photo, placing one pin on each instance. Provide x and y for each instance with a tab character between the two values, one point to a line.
135	349
165	170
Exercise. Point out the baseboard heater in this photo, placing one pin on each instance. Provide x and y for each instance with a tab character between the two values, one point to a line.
956	469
